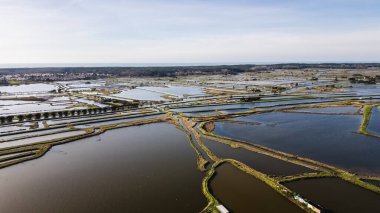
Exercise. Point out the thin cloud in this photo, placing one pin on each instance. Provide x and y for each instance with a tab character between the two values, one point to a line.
187	31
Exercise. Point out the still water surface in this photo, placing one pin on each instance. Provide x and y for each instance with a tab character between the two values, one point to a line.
328	138
150	168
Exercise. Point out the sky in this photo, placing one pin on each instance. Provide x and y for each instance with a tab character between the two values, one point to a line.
189	31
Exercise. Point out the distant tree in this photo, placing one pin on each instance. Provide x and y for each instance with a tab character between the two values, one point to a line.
37	116
20	117
10	118
45	115
54	114
29	117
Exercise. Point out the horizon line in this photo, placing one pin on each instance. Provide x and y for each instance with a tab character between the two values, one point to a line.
165	64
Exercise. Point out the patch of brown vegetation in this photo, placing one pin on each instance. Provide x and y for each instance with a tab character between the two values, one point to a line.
209	126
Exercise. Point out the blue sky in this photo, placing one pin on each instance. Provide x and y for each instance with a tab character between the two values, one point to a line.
189	31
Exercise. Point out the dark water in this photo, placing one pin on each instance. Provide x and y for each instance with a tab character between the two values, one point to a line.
240	192
326	138
337	195
262	163
374	122
150	168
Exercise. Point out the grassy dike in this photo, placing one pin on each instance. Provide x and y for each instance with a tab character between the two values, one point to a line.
367	111
212	201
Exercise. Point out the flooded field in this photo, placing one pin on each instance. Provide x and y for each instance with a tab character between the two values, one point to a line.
39	139
337	195
11	128
40	132
15	102
35	107
240	192
27	88
179	91
326	138
124	170
260	162
65	147
363	89
139	94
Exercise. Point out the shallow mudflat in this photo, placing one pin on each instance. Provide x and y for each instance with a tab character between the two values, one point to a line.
149	168
336	195
139	94
240	192
327	138
259	162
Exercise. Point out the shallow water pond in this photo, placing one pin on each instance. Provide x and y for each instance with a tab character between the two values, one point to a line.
39	139
179	91
27	88
140	94
328	138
